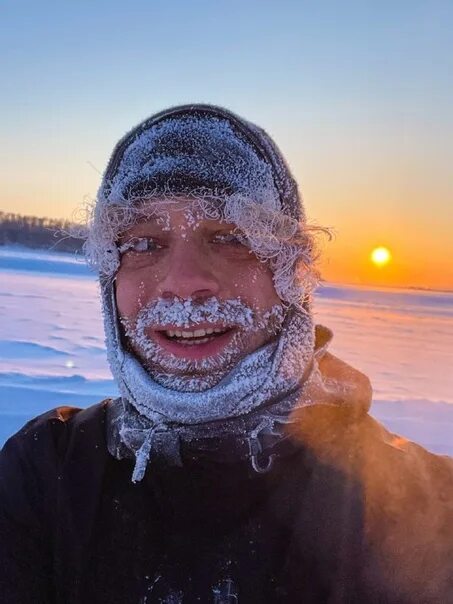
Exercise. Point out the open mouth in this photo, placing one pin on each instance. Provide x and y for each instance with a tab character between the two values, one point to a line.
197	336
194	343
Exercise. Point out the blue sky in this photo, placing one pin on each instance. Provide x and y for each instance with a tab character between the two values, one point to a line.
357	94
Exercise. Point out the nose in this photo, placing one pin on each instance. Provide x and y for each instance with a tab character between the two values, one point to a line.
189	274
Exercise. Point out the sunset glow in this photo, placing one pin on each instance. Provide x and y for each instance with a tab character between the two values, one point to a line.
372	154
380	256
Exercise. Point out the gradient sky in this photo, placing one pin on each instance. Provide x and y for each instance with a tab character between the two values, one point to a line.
358	95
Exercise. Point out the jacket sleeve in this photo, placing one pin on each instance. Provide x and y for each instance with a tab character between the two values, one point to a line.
409	506
406	497
28	477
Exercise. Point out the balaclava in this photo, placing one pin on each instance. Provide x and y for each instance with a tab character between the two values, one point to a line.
232	171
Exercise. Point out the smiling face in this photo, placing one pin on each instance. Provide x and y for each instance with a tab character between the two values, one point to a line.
193	300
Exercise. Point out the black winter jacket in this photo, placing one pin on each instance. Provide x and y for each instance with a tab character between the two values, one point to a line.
351	514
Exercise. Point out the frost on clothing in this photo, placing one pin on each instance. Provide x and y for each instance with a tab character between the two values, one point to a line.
186	375
232	171
250	398
132	431
229	170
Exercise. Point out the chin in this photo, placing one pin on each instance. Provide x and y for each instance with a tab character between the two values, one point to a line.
187	383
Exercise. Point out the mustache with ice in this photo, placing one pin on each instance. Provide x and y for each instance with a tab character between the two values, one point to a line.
192	375
187	313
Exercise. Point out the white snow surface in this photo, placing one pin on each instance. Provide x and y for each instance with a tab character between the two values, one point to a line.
52	345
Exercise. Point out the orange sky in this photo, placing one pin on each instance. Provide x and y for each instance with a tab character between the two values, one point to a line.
404	206
359	99
363	213
345	265
420	257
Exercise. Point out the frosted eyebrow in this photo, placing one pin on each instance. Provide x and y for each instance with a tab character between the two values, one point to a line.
139	228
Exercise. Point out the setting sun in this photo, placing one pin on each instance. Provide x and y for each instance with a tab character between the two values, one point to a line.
380	256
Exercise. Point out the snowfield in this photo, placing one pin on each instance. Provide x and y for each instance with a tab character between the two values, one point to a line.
52	345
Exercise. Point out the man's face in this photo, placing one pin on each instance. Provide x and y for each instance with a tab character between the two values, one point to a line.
192	299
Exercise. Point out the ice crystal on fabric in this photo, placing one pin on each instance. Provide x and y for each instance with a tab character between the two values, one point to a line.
211	167
240	187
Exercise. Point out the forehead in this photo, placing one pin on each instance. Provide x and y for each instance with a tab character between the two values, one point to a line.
175	214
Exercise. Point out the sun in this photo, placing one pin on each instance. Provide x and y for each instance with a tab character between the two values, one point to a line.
380	256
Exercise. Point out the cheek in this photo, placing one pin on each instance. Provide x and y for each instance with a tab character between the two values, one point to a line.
254	284
132	292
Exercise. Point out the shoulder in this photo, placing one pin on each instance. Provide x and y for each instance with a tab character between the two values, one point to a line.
389	467
31	460
406	499
54	430
409	512
354	440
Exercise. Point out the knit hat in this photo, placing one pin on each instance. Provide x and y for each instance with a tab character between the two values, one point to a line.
231	168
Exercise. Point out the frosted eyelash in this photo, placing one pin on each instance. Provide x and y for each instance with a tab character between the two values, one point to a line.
129	245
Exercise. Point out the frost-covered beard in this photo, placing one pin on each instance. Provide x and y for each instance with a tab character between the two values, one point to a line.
187	375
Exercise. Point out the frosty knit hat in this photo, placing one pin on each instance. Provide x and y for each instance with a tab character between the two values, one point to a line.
228	166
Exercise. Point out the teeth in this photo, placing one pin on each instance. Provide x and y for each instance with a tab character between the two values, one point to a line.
197	333
203	341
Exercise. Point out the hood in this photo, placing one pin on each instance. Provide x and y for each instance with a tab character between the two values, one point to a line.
230	167
264	147
234	171
339	384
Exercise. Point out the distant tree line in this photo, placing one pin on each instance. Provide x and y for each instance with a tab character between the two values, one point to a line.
42	233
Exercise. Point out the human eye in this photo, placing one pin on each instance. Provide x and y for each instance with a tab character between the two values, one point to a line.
139	245
229	238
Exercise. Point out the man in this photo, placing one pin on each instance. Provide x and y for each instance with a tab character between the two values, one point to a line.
240	463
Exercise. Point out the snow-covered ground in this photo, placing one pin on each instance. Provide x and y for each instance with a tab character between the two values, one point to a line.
52	350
